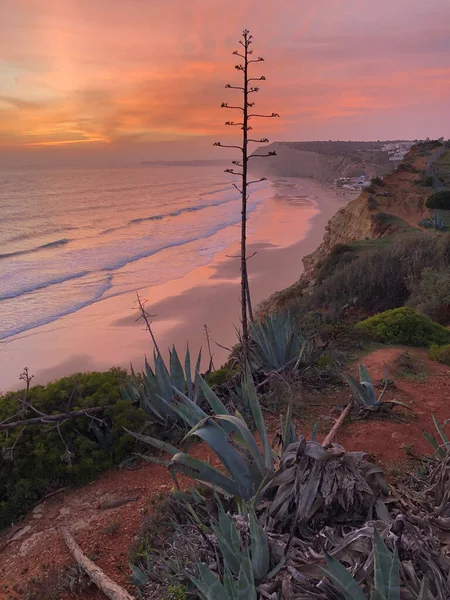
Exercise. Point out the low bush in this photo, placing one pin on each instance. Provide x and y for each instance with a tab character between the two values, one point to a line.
431	294
382	277
405	326
372	203
427	181
378	181
440	200
340	255
42	458
440	353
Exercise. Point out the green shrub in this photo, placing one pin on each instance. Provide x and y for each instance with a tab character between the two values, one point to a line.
372	203
219	377
440	353
405	326
440	200
378	181
339	255
41	461
427	181
380	278
431	294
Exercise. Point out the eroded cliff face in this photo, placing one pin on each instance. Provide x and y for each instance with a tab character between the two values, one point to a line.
352	222
323	161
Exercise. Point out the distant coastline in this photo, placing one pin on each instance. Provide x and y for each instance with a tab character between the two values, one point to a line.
184	163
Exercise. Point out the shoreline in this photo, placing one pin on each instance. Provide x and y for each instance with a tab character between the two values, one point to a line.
106	334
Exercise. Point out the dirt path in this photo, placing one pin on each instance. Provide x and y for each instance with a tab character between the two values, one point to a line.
107	534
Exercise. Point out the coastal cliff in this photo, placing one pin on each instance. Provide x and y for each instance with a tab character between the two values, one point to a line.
323	161
390	205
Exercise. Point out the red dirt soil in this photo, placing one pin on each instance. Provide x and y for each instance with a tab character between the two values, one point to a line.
106	535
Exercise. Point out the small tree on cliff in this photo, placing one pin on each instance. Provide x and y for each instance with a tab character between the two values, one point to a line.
247	88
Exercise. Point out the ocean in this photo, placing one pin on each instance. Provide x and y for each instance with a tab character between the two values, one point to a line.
71	238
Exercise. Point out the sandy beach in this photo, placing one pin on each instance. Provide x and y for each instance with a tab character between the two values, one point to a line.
106	334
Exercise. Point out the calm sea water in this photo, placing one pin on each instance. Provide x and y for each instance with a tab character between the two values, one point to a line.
69	238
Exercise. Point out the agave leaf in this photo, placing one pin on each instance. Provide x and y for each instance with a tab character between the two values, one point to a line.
187	409
176	371
288	430
187	370
247	440
383	563
216	404
246	584
343	580
248	389
394	578
196	396
233	461
315	429
160	445
140	578
364	376
259	547
369	393
202	471
434	444
208	584
358	391
423	593
229	585
229	541
163	378
376	595
444	438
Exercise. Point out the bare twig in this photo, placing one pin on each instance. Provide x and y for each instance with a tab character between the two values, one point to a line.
332	434
147	317
51	418
208	341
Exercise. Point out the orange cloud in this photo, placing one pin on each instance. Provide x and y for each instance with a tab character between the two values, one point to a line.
109	73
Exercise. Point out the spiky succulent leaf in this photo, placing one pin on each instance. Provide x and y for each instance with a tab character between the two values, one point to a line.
187	370
343	580
259	547
444	438
202	471
177	378
234	462
382	563
248	389
208	584
215	403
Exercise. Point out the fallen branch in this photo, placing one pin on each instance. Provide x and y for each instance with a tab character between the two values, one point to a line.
332	434
101	580
51	418
119	502
50	494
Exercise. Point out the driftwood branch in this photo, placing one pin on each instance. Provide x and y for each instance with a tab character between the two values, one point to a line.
101	580
332	434
51	418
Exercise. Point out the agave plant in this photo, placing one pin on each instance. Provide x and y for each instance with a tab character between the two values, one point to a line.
335	487
364	391
228	436
439	449
386	576
245	564
278	342
156	389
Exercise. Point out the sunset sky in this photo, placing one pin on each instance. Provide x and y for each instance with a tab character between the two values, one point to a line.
127	80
